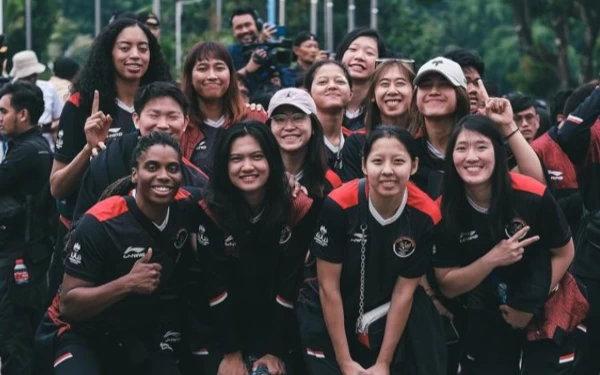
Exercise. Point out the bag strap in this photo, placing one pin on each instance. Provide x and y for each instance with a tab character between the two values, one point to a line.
362	215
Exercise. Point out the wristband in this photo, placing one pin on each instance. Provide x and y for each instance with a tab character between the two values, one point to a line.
511	134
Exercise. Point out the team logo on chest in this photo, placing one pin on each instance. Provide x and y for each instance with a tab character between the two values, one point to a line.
468	236
202	238
201	146
133	252
286	234
555	175
514	226
180	238
404	247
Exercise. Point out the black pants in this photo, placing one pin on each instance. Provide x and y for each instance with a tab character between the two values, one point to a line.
21	310
57	267
79	354
588	345
494	348
422	341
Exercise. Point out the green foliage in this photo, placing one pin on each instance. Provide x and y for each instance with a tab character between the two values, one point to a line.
420	29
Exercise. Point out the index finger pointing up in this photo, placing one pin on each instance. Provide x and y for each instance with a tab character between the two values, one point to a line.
482	91
96	102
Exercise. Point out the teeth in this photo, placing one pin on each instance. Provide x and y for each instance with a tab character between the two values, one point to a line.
162	189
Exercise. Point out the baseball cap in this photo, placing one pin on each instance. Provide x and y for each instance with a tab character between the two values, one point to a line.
302	37
446	67
295	97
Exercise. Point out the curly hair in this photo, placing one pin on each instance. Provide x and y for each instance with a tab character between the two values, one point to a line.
99	70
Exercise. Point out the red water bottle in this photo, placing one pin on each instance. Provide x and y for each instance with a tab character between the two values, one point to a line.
21	274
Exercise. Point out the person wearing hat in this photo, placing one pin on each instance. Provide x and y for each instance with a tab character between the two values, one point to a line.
306	49
294	123
26	67
151	21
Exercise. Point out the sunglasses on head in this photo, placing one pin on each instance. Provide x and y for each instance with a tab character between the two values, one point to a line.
409	62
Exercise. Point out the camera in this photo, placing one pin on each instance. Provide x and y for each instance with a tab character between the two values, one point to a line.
279	53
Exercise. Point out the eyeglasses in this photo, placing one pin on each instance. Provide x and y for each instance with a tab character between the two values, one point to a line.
409	62
527	118
297	119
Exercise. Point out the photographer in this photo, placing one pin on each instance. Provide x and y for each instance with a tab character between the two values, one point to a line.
24	195
251	63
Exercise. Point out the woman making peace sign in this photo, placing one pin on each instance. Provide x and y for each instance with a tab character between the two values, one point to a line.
508	247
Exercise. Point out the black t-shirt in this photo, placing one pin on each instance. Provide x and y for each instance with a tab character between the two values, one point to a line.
115	163
352	156
252	287
399	247
204	152
108	241
354	123
71	138
430	173
525	284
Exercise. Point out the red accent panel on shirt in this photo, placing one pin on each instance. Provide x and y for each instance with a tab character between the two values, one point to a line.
422	202
75	99
109	208
189	164
527	184
346	195
333	179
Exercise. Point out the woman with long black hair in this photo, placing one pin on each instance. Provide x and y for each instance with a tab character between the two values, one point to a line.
387	102
508	251
252	240
294	123
373	243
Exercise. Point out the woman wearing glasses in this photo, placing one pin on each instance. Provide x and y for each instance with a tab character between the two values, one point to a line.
387	103
294	123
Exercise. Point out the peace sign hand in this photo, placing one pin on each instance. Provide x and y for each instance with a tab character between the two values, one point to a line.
97	125
507	252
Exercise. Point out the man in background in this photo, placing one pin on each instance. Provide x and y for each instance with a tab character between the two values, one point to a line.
65	71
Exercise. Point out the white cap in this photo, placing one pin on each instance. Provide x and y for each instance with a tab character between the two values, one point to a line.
25	63
446	67
298	98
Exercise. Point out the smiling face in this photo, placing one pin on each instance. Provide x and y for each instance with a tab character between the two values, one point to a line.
131	54
360	57
388	167
292	128
157	176
436	97
248	167
474	158
211	79
244	28
161	114
330	88
393	94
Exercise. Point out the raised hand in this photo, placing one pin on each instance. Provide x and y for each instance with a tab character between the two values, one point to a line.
500	111
97	125
507	252
482	98
145	276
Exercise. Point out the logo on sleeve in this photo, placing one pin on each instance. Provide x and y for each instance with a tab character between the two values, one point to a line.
202	238
321	237
514	226
286	234
404	247
59	139
134	252
468	236
75	257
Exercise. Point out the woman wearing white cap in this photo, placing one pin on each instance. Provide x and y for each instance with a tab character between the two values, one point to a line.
440	101
294	123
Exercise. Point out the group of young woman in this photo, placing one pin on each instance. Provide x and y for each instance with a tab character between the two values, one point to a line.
430	217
